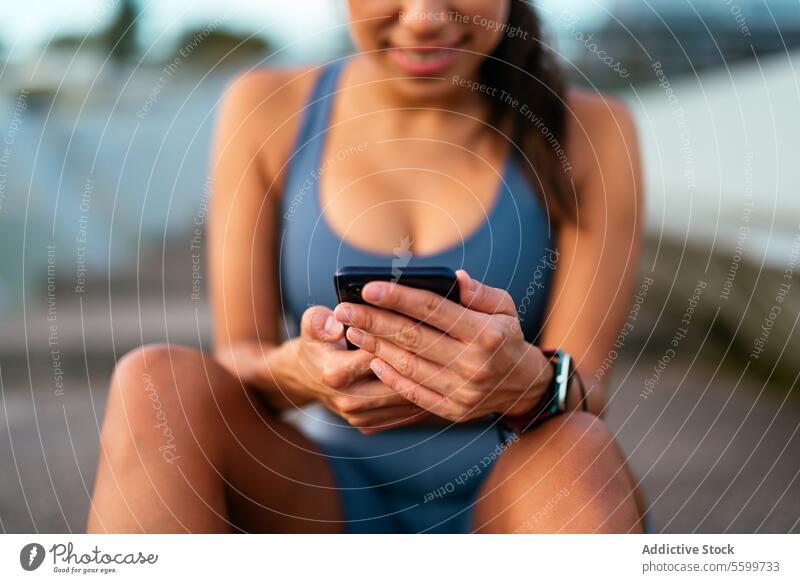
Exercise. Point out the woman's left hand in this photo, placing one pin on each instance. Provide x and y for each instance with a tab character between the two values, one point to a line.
458	361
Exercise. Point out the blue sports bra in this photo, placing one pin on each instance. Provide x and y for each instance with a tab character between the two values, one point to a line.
513	249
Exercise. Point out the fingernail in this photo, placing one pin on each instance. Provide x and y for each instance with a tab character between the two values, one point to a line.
377	367
355	336
471	283
373	292
332	327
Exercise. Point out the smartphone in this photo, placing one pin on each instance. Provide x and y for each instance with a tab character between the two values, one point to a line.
349	281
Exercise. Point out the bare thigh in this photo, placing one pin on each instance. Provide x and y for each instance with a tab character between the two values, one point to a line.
186	448
568	475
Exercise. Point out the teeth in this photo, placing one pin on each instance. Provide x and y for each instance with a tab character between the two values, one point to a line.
424	56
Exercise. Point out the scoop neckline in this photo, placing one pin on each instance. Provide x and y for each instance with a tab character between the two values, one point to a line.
481	227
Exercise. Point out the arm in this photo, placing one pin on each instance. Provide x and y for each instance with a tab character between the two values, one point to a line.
241	228
599	255
243	222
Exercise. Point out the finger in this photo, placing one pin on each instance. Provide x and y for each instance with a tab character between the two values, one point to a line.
414	367
318	323
421	396
483	298
426	306
395	424
365	396
344	367
388	418
402	331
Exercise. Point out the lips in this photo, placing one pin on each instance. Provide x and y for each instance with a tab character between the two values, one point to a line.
424	60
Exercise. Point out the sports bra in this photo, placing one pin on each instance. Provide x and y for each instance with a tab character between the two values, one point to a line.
512	249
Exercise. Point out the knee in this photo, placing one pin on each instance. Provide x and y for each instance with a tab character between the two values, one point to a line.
568	475
154	391
154	359
579	434
589	460
582	442
152	374
579	449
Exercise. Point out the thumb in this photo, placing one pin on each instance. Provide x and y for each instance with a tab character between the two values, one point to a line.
483	298
318	323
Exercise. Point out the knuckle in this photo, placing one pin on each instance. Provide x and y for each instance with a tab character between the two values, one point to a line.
334	378
484	293
410	336
482	376
492	338
450	383
454	414
412	394
406	365
366	319
354	420
471	398
431	303
482	373
468	367
473	365
347	405
462	415
511	327
368	343
373	344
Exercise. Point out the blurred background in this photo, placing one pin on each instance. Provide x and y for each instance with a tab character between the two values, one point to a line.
106	110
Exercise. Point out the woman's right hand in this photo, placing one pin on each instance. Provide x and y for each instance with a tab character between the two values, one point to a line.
317	365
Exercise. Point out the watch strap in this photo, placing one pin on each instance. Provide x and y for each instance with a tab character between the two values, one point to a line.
554	399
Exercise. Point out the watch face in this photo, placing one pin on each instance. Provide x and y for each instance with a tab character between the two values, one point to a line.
564	368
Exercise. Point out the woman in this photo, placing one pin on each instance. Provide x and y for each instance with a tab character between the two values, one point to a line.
447	139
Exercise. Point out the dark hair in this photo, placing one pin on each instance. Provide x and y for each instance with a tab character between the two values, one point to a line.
523	66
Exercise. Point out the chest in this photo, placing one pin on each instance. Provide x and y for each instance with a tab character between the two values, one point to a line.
511	249
429	193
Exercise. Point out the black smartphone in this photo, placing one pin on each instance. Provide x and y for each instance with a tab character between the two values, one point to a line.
349	281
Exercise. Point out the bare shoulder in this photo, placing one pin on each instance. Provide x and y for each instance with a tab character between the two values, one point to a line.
275	90
262	109
600	128
597	113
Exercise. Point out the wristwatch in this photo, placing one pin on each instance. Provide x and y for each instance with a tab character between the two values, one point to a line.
554	400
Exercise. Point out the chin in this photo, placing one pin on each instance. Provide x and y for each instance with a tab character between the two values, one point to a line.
415	89
421	85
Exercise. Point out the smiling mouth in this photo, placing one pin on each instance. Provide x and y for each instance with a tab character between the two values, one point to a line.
426	55
422	60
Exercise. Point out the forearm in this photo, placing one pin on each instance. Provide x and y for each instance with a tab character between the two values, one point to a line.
594	386
271	369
